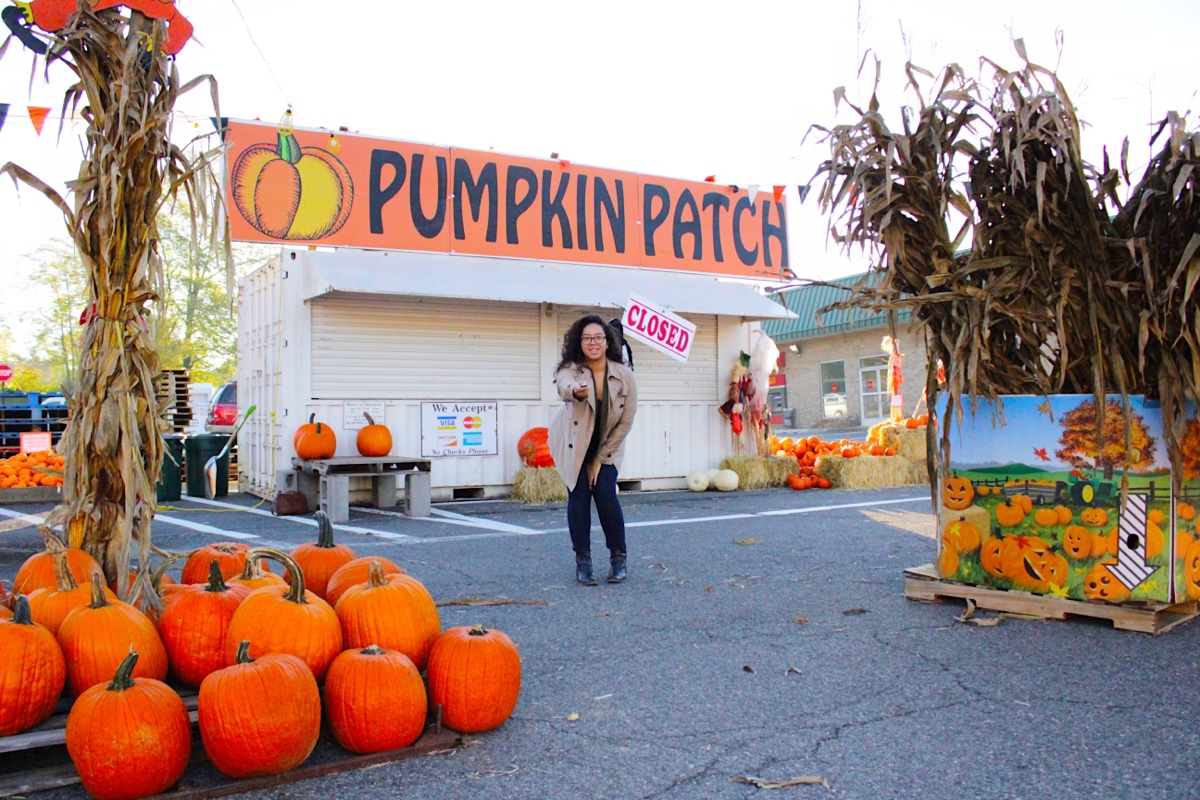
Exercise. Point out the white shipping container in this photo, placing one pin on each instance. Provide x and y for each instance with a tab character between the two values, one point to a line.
319	328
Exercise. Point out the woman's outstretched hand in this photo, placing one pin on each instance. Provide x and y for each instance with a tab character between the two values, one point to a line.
580	392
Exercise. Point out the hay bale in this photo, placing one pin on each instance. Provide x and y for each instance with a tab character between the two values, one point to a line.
907	442
866	472
539	485
761	472
981	518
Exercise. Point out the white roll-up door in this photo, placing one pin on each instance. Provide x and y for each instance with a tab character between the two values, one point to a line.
660	377
425	349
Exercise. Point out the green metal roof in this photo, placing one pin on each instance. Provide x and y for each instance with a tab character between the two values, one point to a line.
806	301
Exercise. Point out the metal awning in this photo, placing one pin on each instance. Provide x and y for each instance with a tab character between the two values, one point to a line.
347	271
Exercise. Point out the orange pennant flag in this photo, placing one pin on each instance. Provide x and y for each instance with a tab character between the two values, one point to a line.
778	193
37	115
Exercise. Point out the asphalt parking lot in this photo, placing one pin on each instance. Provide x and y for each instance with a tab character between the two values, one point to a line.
760	634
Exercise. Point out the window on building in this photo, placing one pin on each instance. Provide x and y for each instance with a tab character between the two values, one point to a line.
833	389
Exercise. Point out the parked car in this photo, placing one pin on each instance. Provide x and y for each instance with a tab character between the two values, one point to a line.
835	405
223	413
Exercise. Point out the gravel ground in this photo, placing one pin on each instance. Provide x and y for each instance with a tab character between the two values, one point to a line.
795	654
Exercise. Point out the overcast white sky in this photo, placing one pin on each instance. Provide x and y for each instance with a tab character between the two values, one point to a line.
677	89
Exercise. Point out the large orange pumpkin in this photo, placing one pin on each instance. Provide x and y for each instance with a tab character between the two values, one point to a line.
36	671
1094	517
962	535
375	700
475	676
96	638
291	192
957	493
1009	515
393	611
50	605
130	738
38	569
1033	565
317	443
291	619
353	573
1191	571
534	448
373	440
193	625
948	560
1077	542
255	576
319	561
230	555
259	716
1101	584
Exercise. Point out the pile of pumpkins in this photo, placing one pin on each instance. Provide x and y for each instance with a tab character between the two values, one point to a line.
27	470
257	646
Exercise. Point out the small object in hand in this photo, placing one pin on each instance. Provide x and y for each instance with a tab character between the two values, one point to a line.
289	504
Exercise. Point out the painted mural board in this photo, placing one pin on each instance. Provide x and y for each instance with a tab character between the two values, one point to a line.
1032	504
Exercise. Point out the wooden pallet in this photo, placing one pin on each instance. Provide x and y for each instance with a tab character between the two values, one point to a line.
30	494
362	465
44	746
925	583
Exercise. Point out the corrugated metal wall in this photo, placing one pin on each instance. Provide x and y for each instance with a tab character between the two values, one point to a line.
424	349
660	377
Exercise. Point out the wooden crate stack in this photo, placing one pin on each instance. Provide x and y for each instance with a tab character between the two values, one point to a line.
172	385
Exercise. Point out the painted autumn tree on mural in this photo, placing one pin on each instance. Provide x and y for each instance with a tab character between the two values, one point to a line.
1191	451
1079	445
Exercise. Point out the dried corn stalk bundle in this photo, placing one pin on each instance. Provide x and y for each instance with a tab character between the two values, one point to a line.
113	446
985	221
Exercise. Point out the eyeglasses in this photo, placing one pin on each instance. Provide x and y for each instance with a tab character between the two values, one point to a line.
595	339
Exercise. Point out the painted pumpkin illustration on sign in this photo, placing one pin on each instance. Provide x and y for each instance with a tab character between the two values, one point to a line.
1009	515
1032	564
291	192
990	554
957	493
961	535
1094	517
948	560
1101	584
1191	570
1077	542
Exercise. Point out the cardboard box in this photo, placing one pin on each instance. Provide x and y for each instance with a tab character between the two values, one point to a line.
1029	503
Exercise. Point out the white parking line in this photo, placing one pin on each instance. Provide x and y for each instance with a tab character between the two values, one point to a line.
812	509
200	527
398	537
29	519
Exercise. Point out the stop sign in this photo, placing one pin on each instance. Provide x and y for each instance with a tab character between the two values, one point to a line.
5	372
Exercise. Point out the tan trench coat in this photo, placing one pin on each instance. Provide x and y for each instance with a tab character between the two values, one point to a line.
571	430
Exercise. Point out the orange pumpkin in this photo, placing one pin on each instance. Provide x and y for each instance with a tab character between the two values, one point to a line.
850	452
1191	570
1182	510
877	450
36	671
1156	516
353	573
129	738
962	535
230	555
291	192
1104	544
475	676
1183	541
285	619
1077	542
990	554
304	430
373	440
375	700
948	560
1094	517
261	715
911	424
1024	501
38	570
320	442
1009	515
1064	515
96	638
255	577
983	491
534	448
1045	517
1101	584
957	493
49	606
1155	540
1033	565
823	483
393	611
193	625
319	561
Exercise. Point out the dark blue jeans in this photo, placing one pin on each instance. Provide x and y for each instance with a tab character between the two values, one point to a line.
608	508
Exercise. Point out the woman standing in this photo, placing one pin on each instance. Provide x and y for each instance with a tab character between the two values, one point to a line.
587	439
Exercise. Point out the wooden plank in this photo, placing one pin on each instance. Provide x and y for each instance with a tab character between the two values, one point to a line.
362	465
924	583
37	780
30	494
53	730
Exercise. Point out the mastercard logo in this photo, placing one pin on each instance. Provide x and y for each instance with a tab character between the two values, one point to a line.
472	422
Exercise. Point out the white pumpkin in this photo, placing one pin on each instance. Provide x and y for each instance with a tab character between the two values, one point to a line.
726	480
712	475
697	481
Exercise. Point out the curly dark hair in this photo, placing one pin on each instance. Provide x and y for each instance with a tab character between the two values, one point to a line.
572	349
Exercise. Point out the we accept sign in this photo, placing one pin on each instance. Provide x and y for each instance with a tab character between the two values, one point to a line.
459	429
298	186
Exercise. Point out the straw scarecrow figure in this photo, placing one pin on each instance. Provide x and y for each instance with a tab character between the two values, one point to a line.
125	90
895	376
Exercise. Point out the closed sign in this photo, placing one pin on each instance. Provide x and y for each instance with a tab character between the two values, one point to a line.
656	327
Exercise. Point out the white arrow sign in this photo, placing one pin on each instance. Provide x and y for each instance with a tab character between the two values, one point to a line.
1131	568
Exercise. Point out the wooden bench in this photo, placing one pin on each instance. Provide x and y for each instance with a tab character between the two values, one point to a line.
326	483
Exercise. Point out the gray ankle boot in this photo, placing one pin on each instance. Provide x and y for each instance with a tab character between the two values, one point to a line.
617	563
583	569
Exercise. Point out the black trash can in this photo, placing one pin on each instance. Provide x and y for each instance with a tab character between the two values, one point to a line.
200	448
170	482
